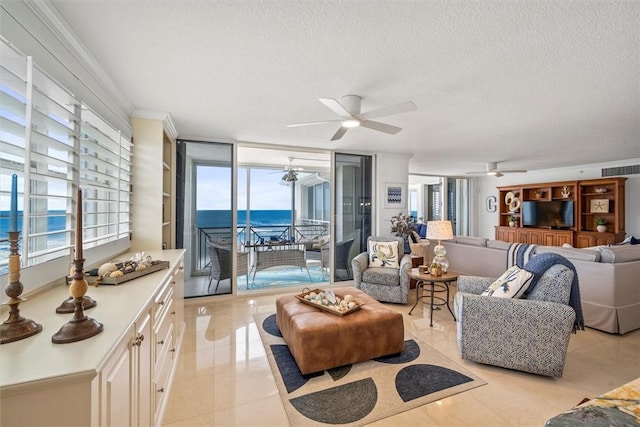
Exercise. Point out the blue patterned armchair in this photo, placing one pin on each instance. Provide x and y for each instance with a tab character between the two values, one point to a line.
530	335
382	283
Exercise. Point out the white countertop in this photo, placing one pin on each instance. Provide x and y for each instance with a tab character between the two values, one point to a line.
36	358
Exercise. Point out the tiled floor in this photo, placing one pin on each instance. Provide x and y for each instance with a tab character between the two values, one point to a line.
224	379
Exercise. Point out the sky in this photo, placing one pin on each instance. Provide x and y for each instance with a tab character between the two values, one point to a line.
213	190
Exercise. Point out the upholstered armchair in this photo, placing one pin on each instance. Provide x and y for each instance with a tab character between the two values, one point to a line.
420	247
220	262
530	335
383	283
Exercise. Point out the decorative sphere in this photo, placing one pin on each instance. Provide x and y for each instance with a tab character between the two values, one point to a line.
440	251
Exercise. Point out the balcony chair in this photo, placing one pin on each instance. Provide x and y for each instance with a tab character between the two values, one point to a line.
383	283
530	335
343	260
220	261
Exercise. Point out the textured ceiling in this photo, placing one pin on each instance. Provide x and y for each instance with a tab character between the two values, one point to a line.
535	84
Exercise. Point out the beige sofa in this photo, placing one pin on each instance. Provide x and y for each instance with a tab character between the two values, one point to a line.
609	276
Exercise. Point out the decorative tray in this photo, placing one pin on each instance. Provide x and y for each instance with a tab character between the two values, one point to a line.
155	266
94	279
311	298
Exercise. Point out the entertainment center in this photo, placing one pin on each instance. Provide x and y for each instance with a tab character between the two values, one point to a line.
555	213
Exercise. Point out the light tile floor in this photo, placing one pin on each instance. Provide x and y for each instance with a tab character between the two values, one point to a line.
223	376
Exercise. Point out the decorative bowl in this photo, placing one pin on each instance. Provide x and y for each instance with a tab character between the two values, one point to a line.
601	190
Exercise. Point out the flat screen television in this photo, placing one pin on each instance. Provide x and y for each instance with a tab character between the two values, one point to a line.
553	214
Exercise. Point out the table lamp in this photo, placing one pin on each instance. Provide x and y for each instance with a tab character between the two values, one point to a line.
440	230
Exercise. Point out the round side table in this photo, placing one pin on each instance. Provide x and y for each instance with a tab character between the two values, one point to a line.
432	284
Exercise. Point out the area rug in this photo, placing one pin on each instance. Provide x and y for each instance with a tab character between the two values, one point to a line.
282	277
362	393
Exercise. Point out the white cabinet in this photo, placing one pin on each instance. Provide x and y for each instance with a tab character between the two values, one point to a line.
126	378
120	377
153	220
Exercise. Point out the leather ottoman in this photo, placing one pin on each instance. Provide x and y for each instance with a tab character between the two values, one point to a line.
319	340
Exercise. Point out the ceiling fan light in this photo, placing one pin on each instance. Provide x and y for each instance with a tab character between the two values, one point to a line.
351	123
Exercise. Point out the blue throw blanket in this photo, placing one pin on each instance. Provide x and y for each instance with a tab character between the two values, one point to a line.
519	254
540	264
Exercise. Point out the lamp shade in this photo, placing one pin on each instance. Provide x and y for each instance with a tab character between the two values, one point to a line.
439	230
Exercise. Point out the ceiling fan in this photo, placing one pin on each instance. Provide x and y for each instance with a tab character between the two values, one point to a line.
290	173
348	109
493	170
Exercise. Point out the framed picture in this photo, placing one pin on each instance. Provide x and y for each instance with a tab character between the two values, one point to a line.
599	206
394	195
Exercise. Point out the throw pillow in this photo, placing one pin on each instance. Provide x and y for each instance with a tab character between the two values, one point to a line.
512	284
383	254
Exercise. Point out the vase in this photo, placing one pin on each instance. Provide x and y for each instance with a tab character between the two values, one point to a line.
407	246
601	228
512	224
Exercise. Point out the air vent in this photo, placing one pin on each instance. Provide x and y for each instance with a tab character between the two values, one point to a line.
622	170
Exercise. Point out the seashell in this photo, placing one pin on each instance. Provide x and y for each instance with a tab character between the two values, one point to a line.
351	304
107	268
116	273
141	267
348	298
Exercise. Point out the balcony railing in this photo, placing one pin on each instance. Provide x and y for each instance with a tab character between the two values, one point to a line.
258	234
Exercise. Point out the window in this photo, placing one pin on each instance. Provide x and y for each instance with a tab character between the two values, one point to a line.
55	143
318	202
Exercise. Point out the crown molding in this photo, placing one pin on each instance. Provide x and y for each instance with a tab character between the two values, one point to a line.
165	118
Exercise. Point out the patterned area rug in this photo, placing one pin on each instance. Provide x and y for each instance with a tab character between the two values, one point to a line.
282	277
359	394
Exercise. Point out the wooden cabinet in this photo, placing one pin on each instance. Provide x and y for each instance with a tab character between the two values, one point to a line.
111	379
126	378
167	312
154	219
592	199
507	234
588	239
602	199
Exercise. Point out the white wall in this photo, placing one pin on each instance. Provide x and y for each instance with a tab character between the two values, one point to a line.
390	168
487	186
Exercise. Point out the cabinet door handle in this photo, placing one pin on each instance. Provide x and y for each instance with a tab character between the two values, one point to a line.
161	390
138	341
161	342
173	350
173	312
160	302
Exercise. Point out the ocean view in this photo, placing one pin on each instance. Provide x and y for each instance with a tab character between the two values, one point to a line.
222	218
54	223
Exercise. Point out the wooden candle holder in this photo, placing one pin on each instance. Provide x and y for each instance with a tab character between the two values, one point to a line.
80	327
16	327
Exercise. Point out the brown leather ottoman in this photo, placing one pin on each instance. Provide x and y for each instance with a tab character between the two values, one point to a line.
319	340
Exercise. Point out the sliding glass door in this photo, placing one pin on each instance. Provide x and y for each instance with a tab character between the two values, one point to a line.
209	227
352	224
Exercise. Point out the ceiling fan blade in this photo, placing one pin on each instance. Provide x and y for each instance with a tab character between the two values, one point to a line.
336	107
511	170
339	134
403	107
382	127
312	123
